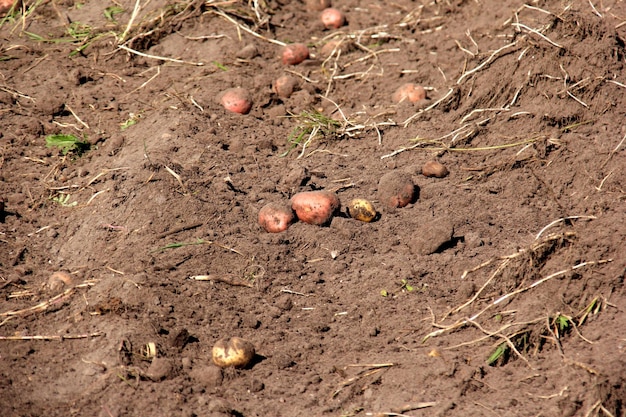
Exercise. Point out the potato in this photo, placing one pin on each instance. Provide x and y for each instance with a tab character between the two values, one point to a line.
294	53
276	217
60	279
396	189
285	85
409	92
434	169
236	100
363	210
5	5
315	207
317	5
332	18
235	352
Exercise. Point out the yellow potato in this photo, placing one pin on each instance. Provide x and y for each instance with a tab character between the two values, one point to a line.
362	210
236	352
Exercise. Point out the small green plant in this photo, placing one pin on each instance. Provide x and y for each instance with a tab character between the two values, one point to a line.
311	124
132	120
111	11
220	66
67	143
384	293
77	33
406	286
500	352
561	324
63	200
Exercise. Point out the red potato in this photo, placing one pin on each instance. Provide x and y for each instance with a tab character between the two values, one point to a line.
315	207
317	5
409	92
236	100
294	53
5	5
396	189
332	18
276	217
285	85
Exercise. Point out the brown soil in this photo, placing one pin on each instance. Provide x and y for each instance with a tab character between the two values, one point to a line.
498	291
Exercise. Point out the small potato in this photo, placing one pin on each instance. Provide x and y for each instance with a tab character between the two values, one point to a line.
294	53
5	5
315	207
332	18
396	189
285	85
60	279
235	352
317	5
236	100
276	217
335	46
409	92
363	210
434	169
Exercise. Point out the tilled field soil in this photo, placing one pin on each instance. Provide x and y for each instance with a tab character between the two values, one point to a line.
129	232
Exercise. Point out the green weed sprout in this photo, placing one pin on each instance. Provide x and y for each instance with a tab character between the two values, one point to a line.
67	143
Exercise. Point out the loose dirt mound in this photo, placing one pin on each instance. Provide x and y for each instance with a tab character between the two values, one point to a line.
129	236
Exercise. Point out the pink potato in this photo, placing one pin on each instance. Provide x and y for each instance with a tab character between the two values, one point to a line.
396	189
236	100
317	5
294	53
276	217
315	207
332	18
409	92
285	85
5	5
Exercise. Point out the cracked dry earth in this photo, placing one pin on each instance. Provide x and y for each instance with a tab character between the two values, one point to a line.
498	291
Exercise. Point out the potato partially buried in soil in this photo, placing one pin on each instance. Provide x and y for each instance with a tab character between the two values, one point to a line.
276	217
235	352
236	100
315	207
294	53
361	209
434	169
396	189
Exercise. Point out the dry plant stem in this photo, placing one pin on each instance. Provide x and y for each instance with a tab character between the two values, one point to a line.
549	277
507	339
562	220
229	281
162	58
362	374
432	106
536	32
45	304
55	337
246	29
130	21
465	321
485	62
180	229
